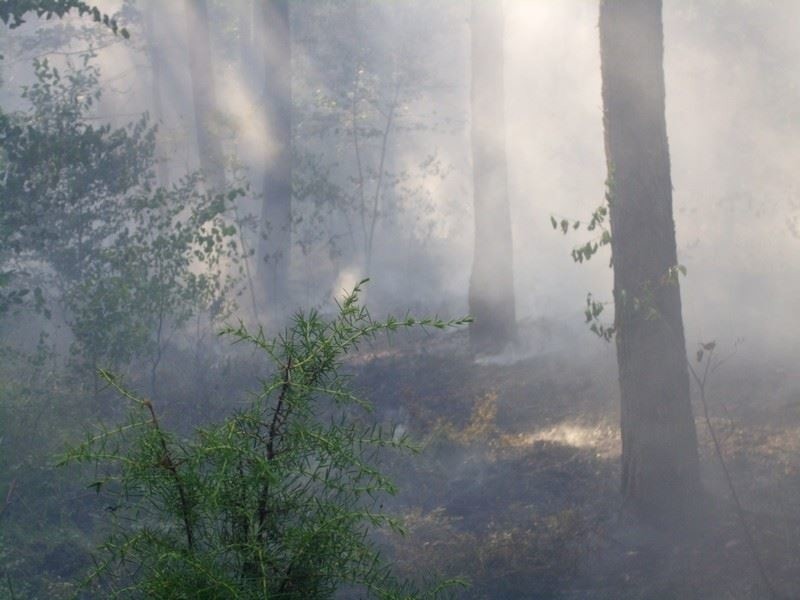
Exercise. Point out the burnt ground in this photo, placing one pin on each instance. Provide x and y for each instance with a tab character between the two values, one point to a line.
515	486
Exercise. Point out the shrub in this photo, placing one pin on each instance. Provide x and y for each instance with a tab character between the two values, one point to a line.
277	501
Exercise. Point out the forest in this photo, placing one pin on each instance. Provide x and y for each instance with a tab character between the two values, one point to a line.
399	299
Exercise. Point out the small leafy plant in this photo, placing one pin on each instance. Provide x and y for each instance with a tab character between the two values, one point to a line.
586	251
642	303
277	501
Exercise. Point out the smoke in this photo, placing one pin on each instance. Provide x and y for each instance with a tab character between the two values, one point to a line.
732	107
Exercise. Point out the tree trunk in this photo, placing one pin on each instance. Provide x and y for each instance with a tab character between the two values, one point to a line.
491	290
276	212
156	62
660	479
209	147
245	26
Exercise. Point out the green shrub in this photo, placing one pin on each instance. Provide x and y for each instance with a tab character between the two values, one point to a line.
277	501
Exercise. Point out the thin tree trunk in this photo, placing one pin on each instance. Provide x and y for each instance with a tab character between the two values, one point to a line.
375	213
209	147
156	59
491	290
248	76
246	37
276	212
660	475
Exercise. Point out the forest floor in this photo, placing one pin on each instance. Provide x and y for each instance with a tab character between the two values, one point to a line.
516	484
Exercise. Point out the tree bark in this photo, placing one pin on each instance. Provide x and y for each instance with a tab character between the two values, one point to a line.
276	212
660	475
209	147
491	289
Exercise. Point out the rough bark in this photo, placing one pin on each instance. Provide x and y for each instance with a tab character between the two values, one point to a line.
660	479
209	146
491	289
276	212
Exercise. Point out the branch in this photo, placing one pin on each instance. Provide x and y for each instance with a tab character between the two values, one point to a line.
379	184
169	464
277	421
701	382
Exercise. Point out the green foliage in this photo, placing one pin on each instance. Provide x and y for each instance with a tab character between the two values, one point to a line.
127	263
703	348
12	12
277	501
642	303
592	313
163	267
64	178
345	185
585	252
672	276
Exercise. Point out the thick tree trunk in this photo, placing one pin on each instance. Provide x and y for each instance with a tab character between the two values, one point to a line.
660	479
276	212
209	147
491	289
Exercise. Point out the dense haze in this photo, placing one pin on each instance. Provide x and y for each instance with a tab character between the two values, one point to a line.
730	108
521	444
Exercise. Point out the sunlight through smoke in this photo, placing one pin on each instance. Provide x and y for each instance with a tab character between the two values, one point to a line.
345	282
602	438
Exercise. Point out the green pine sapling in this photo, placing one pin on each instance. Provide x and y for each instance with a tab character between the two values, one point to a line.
276	501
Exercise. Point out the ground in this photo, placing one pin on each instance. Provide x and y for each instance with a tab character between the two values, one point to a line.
516	485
